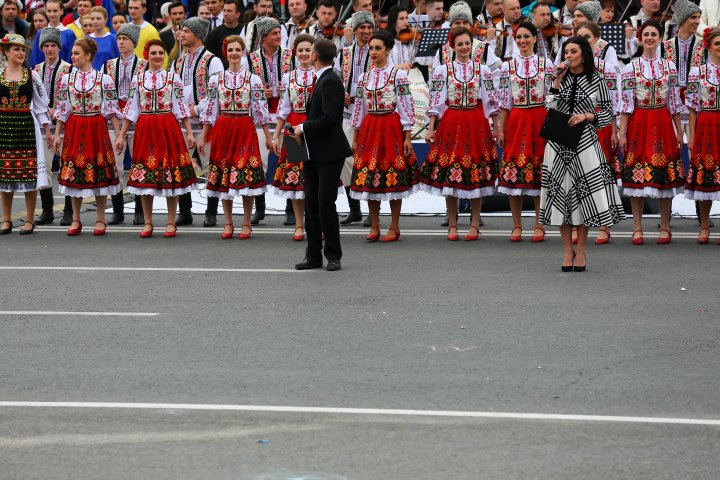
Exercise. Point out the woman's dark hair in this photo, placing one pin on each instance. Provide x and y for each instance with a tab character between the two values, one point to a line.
529	27
649	24
384	37
456	32
393	15
606	3
32	31
592	26
587	54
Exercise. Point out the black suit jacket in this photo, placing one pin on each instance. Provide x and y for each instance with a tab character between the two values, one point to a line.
168	38
323	128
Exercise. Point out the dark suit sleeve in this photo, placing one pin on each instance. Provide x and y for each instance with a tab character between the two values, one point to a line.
332	97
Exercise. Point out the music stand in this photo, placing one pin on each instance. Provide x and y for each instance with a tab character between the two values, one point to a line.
431	41
614	34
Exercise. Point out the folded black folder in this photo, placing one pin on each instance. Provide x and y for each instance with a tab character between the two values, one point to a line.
556	129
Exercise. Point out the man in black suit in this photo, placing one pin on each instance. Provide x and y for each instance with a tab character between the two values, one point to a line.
327	149
178	14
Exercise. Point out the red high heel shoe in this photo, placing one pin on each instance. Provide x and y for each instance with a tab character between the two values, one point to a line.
538	238
516	238
704	240
373	237
606	240
453	237
301	236
472	238
170	234
74	231
665	240
388	238
97	232
226	235
147	233
245	236
638	240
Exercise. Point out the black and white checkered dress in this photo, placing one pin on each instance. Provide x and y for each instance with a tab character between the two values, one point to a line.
578	186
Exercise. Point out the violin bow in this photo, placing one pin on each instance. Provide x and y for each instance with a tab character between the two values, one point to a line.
627	7
308	22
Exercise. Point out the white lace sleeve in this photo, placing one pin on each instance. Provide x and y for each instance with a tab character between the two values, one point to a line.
284	106
258	102
110	107
438	92
211	109
40	100
132	107
179	105
63	108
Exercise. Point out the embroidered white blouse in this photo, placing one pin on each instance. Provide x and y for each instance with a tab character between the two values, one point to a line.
93	93
650	83
480	89
294	97
230	92
158	94
383	90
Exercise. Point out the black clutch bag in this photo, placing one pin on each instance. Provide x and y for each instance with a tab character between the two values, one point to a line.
556	129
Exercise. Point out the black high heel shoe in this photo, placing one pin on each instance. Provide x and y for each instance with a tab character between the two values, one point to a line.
564	268
580	269
5	231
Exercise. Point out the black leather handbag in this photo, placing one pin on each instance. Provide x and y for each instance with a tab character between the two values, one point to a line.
556	129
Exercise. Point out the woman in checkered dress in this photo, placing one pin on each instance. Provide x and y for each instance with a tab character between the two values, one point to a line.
578	185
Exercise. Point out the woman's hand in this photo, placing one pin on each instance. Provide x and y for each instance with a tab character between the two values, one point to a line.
201	145
623	143
430	136
500	138
269	143
404	66
56	143
276	145
614	142
577	119
190	140
119	144
407	147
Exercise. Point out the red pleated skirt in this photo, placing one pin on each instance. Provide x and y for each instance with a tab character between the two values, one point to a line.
653	159
521	164
288	177
88	160
161	163
381	170
463	155
605	139
235	161
703	178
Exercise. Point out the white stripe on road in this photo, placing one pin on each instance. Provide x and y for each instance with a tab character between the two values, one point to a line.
80	314
369	411
154	269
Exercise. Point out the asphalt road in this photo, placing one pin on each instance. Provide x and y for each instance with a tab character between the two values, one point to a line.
421	324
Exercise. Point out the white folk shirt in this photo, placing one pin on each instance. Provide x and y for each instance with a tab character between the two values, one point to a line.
157	81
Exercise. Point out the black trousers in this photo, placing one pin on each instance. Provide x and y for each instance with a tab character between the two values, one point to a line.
321	187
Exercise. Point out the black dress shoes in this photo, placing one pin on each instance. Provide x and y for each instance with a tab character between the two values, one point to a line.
210	220
117	218
368	222
308	264
333	265
184	218
45	218
355	215
66	219
138	218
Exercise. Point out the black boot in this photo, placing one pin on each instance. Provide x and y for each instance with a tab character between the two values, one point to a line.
138	218
46	200
355	215
259	210
67	218
211	212
185	216
118	204
55	165
289	213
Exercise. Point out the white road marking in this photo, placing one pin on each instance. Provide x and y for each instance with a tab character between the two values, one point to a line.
80	314
440	232
155	269
370	411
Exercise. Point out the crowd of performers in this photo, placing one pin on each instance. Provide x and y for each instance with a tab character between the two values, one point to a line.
488	100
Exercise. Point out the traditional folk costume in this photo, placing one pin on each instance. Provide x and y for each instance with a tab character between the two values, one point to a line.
23	108
611	78
236	106
461	161
271	71
524	83
87	100
288	181
161	164
578	187
651	96
482	53
383	111
123	72
51	76
402	52
703	96
684	54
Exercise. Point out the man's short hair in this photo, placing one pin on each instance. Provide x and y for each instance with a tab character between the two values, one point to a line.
142	2
327	4
177	5
238	6
325	50
540	4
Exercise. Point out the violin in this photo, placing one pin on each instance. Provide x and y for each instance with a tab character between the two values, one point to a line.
307	22
409	34
480	30
559	30
334	31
